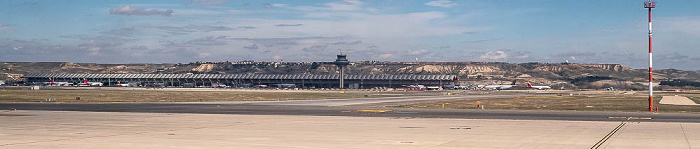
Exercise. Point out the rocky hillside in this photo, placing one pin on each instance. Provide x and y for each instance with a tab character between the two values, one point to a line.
567	75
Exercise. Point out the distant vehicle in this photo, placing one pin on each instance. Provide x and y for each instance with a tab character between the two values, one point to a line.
260	86
499	87
538	87
2	83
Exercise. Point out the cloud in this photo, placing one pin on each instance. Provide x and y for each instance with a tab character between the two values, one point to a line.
251	47
347	43
344	5
5	27
417	52
209	41
207	2
427	15
126	31
203	55
133	10
441	3
386	55
686	25
443	47
287	25
271	5
494	55
575	55
315	48
185	30
246	27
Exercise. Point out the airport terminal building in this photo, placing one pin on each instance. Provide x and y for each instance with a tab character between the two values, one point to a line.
241	80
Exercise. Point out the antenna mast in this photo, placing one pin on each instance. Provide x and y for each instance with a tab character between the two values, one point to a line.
649	5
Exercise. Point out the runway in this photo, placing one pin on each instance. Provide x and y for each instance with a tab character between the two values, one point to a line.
345	107
29	129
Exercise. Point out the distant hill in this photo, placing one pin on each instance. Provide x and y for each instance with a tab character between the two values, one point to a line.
557	75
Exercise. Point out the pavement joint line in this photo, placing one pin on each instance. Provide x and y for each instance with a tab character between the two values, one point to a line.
686	136
608	136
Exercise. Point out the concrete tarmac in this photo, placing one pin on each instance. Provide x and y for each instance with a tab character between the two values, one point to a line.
26	129
677	100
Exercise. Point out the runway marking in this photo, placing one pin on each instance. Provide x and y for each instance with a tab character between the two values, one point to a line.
367	111
631	118
608	136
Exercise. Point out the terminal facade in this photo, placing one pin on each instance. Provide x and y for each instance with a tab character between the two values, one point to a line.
239	80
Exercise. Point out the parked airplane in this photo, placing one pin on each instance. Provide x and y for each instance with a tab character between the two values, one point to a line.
221	85
52	83
538	87
414	86
499	87
86	83
119	83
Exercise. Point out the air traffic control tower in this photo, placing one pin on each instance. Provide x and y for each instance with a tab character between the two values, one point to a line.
341	62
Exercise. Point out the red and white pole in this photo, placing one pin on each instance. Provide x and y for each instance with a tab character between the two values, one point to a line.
649	5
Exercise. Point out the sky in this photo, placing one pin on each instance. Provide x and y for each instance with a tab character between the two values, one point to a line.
514	31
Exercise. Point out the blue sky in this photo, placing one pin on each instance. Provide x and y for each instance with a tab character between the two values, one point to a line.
122	31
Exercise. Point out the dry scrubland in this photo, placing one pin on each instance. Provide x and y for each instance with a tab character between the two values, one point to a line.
170	96
602	101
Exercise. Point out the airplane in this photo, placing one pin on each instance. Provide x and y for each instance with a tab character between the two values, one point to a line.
499	87
415	86
538	87
221	85
119	83
86	83
52	83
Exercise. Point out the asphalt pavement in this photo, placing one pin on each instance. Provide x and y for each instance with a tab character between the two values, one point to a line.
363	107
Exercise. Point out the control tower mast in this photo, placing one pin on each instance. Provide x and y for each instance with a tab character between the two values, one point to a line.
342	62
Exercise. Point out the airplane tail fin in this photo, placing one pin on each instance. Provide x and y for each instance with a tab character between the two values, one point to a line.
51	81
119	82
85	81
529	85
513	82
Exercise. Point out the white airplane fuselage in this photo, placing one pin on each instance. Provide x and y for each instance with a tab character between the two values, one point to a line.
498	87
